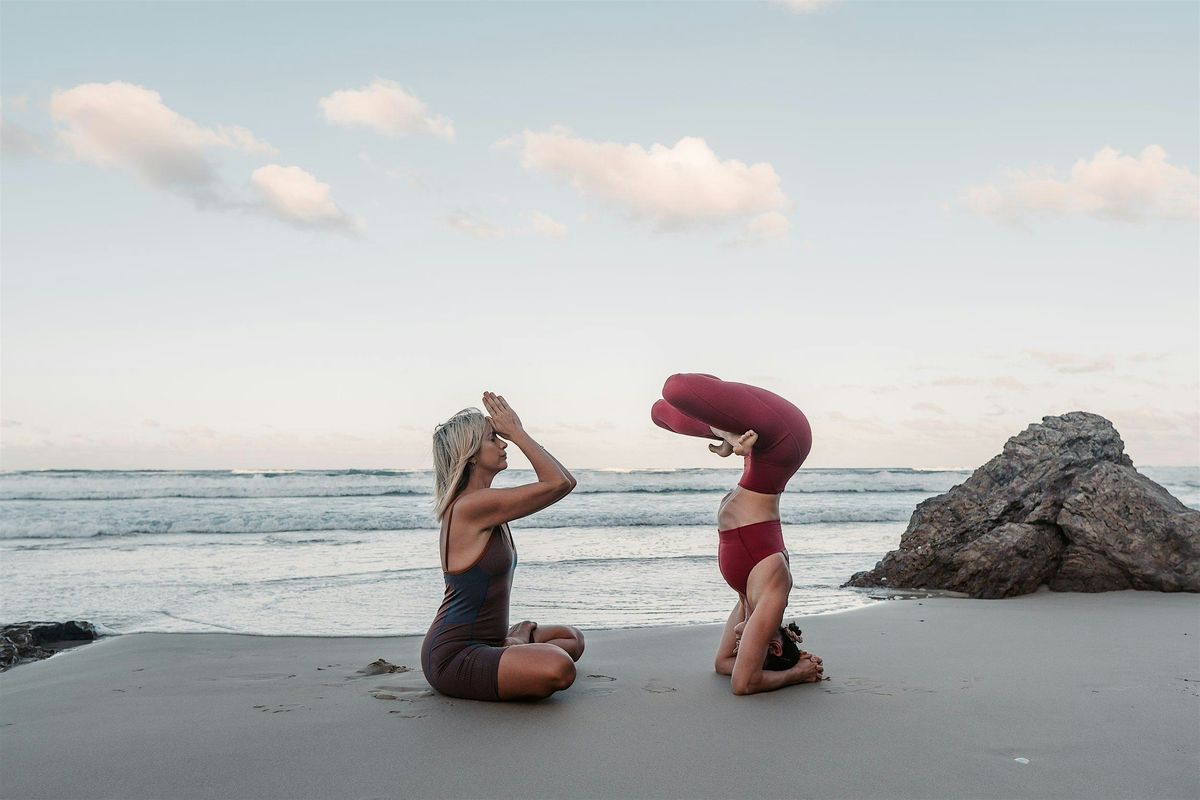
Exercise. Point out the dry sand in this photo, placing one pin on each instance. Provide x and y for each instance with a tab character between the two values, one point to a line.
927	699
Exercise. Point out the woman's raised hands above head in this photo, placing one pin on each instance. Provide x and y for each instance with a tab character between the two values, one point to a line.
505	421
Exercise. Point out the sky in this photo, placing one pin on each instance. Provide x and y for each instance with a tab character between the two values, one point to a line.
274	235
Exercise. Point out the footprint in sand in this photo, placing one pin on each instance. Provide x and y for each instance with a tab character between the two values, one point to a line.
278	709
599	684
400	692
657	687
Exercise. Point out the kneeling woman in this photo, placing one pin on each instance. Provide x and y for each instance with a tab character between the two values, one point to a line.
470	650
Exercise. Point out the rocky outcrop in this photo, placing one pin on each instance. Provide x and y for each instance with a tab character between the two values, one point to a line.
1063	506
31	641
1127	532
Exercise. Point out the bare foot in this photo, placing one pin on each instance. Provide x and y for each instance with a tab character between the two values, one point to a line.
724	449
521	633
807	670
744	443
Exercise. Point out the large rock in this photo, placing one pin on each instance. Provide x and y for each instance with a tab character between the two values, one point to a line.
1123	524
1062	505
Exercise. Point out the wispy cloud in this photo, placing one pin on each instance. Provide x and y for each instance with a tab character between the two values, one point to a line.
1110	186
1008	382
385	107
548	227
125	126
462	221
297	197
1074	362
681	185
14	138
932	408
765	228
871	425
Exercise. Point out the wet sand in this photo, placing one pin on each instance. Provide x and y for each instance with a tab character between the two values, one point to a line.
1049	695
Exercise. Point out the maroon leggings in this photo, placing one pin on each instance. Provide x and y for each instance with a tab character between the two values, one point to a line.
692	402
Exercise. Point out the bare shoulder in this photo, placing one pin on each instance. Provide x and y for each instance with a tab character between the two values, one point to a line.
475	510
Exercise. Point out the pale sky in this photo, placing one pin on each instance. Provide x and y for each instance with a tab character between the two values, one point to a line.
244	235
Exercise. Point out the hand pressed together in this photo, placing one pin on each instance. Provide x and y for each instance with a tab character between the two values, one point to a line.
505	421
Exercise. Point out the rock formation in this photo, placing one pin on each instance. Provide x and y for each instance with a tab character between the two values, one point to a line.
1063	506
30	641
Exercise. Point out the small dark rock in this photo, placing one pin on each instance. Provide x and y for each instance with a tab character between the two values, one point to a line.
32	641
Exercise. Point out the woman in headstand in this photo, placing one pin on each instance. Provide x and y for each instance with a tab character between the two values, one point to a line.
756	651
470	651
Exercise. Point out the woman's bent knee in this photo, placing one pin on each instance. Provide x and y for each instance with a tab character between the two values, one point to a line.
675	387
559	674
554	676
575	649
534	671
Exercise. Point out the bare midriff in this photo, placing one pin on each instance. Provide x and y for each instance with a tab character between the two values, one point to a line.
743	507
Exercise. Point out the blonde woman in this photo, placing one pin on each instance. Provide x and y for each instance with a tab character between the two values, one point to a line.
470	651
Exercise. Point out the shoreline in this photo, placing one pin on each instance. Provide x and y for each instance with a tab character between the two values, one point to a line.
925	699
894	595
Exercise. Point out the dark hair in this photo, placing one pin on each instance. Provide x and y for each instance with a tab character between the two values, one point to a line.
791	651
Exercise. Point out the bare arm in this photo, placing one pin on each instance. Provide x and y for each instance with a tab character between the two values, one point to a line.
489	507
748	675
728	647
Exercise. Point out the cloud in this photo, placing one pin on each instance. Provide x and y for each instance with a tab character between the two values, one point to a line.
932	408
1074	363
871	425
805	6
126	126
384	106
764	228
16	140
1109	187
1008	382
954	380
462	221
673	187
548	227
298	198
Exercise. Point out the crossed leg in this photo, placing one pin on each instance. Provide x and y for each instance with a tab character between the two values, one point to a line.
544	666
568	637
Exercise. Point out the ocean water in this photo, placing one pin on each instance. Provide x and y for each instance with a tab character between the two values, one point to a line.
354	552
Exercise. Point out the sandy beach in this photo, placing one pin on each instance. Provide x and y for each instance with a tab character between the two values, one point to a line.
926	699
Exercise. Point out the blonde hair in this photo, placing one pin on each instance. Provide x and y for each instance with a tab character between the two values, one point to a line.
454	442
